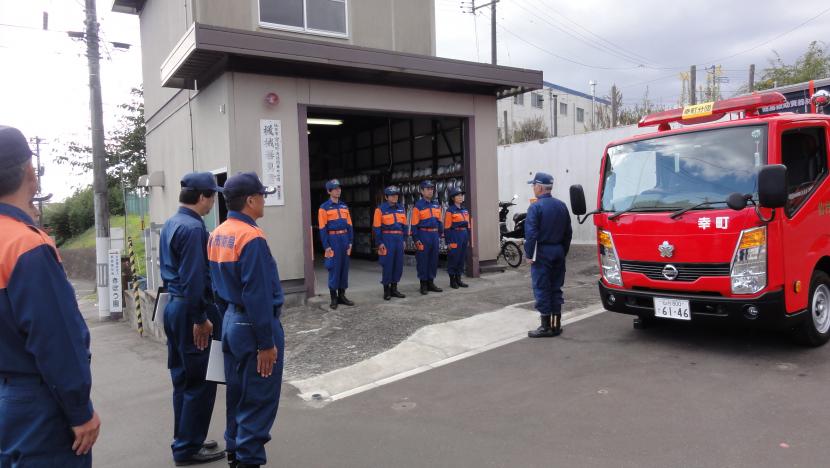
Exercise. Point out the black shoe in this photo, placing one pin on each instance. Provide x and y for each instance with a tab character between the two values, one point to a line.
387	292
461	283
232	462
556	324
432	287
544	330
247	466
453	284
202	456
334	301
424	287
210	445
395	292
341	298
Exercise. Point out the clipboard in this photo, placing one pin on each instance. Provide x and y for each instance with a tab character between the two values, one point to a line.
216	363
162	299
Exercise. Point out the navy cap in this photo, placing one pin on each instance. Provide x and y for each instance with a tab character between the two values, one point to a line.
455	191
427	183
332	184
391	190
542	179
244	184
200	181
14	149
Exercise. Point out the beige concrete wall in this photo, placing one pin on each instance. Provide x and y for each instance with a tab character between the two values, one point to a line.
400	25
283	225
168	150
162	24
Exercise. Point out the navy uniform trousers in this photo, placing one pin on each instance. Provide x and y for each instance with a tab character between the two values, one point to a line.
548	275
457	240
427	259
252	400
338	265
392	262
193	396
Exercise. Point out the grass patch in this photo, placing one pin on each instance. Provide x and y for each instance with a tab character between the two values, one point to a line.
86	240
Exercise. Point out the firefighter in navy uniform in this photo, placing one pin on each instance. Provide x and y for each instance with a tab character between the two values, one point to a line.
246	281
190	319
426	229
46	415
388	225
336	235
457	224
547	241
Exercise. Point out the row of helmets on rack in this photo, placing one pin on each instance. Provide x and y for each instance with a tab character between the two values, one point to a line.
442	188
354	180
427	171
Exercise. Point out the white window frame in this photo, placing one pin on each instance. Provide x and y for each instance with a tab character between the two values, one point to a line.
537	101
305	29
563	105
519	99
582	120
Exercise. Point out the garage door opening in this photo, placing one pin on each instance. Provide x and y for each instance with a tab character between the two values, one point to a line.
367	152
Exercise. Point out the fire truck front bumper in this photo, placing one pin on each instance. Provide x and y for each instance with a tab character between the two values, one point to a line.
765	311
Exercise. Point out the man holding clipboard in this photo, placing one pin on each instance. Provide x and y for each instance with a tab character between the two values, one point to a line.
548	235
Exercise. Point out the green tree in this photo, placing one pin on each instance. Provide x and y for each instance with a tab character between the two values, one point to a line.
530	129
814	64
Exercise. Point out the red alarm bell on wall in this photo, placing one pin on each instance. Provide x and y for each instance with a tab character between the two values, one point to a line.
272	99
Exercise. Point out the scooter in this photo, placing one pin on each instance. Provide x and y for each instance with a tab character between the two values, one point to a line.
510	240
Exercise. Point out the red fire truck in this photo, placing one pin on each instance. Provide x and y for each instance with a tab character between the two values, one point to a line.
709	218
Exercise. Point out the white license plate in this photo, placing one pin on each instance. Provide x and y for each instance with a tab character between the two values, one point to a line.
677	309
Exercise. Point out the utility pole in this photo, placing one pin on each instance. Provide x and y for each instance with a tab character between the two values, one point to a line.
99	162
492	5
693	85
752	78
593	104
550	111
614	109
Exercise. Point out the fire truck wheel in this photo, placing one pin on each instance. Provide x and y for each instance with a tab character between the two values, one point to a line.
815	331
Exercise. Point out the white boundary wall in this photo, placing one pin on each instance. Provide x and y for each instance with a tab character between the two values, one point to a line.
571	160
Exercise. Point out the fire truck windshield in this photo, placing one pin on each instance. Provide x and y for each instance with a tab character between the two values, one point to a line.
679	171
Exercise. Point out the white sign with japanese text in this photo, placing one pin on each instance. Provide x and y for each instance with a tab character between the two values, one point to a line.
115	280
272	168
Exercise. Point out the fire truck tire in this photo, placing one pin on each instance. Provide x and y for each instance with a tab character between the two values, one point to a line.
815	331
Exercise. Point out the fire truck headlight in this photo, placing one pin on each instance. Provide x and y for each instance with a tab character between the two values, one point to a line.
749	266
608	258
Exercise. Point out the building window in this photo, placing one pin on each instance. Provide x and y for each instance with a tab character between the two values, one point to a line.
580	115
537	100
519	99
563	108
327	17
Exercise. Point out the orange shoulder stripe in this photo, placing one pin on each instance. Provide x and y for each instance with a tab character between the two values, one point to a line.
17	239
228	240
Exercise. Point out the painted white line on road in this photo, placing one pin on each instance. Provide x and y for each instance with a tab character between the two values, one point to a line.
458	357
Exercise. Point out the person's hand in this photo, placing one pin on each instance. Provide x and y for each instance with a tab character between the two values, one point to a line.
265	360
329	252
201	334
381	249
349	252
419	245
85	435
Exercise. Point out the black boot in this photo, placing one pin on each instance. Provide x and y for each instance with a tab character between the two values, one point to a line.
460	283
544	329
424	287
432	287
333	293
395	292
341	298
387	292
243	465
453	283
556	324
232	462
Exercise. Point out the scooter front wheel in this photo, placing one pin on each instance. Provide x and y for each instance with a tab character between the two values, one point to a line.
512	254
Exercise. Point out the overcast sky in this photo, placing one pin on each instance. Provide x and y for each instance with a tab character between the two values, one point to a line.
43	87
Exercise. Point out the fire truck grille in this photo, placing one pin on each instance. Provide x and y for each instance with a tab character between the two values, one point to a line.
686	272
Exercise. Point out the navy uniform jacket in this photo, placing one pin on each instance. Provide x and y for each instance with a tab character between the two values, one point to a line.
245	274
184	264
426	215
457	219
548	223
334	217
42	332
388	219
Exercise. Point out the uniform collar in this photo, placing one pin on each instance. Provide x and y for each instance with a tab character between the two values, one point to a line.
339	201
242	217
16	213
188	212
545	195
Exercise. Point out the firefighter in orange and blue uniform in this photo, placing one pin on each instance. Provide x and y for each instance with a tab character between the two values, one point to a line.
336	235
247	285
457	225
46	415
426	229
389	226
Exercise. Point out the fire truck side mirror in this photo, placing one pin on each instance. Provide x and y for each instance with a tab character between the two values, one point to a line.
737	201
772	186
577	200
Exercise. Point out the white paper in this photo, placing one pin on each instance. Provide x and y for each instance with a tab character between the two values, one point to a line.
216	363
115	280
158	314
270	132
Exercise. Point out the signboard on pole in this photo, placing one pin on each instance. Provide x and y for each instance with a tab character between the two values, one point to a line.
115	281
272	168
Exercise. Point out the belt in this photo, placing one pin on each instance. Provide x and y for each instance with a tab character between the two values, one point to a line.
21	378
428	229
460	229
241	309
392	232
341	231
